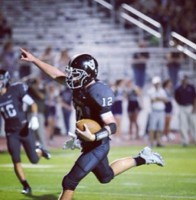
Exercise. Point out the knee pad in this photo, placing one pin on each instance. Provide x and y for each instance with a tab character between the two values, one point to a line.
71	180
35	160
107	179
69	184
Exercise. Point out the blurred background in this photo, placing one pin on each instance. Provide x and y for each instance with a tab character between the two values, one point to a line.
155	36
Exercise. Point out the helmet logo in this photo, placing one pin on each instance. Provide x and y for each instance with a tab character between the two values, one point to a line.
90	63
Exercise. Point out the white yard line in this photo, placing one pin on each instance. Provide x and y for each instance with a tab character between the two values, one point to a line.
141	195
59	168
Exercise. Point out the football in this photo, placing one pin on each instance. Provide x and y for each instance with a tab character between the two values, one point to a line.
91	124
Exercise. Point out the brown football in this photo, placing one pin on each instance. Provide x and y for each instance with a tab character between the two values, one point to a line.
91	124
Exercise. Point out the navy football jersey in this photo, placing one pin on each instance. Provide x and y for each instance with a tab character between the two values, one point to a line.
91	103
11	106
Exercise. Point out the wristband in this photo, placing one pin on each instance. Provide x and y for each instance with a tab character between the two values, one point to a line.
103	133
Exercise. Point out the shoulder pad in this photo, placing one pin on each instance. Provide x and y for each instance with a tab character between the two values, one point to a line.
20	85
101	94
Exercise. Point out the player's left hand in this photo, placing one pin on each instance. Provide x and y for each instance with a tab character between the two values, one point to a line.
86	135
34	123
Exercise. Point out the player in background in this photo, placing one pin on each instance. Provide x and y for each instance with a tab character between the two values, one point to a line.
92	99
17	127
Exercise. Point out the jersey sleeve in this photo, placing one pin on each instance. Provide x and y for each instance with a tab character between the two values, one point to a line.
27	99
102	97
21	88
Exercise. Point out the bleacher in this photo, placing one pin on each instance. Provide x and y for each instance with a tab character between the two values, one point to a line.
72	25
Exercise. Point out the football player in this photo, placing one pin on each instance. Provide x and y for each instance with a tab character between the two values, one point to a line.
92	99
18	130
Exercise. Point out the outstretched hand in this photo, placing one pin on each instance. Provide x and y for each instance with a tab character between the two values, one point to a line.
26	56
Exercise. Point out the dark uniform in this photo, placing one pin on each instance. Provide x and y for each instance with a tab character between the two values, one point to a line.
117	108
91	103
133	103
16	126
185	95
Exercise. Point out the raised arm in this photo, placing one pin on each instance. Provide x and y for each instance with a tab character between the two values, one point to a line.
51	71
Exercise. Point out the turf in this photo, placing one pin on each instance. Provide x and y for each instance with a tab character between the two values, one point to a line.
176	180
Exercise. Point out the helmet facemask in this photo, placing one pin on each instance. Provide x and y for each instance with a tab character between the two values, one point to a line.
1	84
4	79
75	78
81	70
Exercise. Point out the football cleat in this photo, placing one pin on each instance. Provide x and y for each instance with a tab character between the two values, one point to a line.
26	190
45	153
151	157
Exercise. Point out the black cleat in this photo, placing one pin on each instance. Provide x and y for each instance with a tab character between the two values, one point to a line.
45	154
26	190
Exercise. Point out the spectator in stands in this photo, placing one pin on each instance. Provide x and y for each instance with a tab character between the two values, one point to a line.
5	28
51	112
8	59
117	107
37	91
167	86
174	60
164	17
133	93
185	96
49	57
66	104
62	59
158	98
139	61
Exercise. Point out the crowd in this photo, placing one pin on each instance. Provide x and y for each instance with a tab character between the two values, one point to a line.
5	27
54	101
162	97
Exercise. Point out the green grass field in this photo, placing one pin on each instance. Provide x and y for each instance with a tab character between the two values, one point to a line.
176	180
